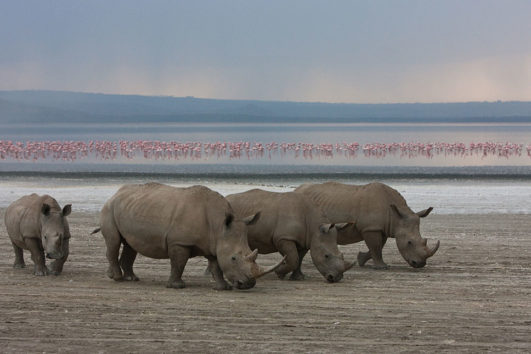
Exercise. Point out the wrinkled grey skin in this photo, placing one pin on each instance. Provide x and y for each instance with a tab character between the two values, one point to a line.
379	212
162	222
38	224
290	223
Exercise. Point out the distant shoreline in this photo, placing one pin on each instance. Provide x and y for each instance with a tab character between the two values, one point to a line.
265	172
33	106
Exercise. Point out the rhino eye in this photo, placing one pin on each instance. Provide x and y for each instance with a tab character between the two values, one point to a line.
233	258
327	256
409	243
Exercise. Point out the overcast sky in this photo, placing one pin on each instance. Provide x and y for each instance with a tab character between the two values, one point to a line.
330	51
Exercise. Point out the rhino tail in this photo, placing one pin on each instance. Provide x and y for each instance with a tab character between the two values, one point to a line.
95	231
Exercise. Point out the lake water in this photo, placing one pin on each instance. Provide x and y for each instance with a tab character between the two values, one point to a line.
334	135
447	195
463	182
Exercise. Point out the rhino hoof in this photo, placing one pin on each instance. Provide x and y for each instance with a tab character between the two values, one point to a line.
19	265
175	284
281	275
131	278
297	276
109	273
41	272
380	266
55	272
363	257
223	287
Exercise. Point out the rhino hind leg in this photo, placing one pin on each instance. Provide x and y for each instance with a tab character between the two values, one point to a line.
37	256
113	241
217	274
297	274
363	257
375	241
288	249
207	270
178	257
19	257
127	259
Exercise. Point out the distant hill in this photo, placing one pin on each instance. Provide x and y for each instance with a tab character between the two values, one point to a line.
60	106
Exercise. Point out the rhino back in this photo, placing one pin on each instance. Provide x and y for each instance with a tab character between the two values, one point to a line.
285	215
338	201
152	215
367	205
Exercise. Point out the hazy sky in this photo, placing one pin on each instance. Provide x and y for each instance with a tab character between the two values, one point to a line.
333	51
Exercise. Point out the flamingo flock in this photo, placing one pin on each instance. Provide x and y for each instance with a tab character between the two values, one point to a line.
172	150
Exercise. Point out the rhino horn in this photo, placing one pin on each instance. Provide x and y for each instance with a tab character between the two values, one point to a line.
252	256
262	272
434	249
424	212
348	265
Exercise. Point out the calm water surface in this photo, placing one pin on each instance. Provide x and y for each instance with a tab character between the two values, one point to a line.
293	133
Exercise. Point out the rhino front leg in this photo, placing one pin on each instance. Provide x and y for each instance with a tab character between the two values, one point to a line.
288	249
127	259
363	257
297	273
178	257
19	257
56	267
37	255
375	241
217	274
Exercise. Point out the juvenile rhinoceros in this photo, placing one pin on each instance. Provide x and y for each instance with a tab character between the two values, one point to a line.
379	212
38	224
292	224
162	222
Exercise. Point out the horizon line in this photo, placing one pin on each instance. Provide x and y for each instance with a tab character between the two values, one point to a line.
261	100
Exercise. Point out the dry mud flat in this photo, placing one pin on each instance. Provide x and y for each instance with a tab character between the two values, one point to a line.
474	295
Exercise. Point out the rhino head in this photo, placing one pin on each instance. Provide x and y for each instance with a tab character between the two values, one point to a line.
325	253
54	230
406	230
234	256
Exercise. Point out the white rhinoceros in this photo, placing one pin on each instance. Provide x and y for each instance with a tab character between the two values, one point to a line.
379	212
38	224
160	221
290	223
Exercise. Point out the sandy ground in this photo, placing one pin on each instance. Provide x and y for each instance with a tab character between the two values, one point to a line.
474	295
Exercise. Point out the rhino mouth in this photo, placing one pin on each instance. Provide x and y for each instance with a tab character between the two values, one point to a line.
331	278
416	264
242	285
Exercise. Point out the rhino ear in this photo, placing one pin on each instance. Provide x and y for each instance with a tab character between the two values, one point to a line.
45	209
397	211
67	209
342	225
252	219
228	219
425	212
325	228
